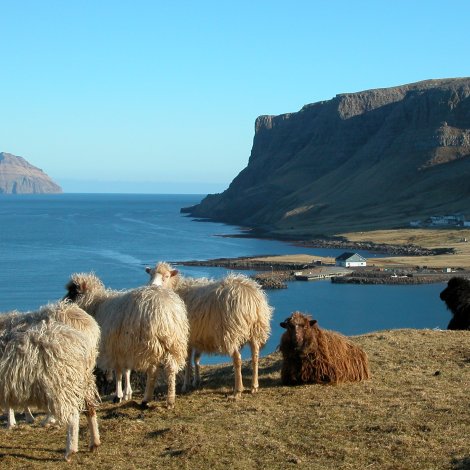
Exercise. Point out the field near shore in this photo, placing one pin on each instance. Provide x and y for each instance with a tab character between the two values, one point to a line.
426	238
459	240
412	414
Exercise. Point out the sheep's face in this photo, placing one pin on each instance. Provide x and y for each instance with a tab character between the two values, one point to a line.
74	290
162	275
456	292
299	329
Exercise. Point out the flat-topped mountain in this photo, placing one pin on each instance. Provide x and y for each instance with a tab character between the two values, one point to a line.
17	176
373	159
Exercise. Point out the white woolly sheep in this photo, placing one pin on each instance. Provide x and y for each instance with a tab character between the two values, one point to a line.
140	329
5	322
64	312
49	365
223	315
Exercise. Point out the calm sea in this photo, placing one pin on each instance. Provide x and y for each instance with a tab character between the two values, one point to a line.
45	238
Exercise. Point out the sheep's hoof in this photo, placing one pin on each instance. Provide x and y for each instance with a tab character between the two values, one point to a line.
144	405
117	400
170	406
68	456
47	422
94	447
235	396
11	426
128	397
254	389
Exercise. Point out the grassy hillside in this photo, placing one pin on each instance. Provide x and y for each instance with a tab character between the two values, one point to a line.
413	414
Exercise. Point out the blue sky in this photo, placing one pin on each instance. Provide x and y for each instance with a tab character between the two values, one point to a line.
159	96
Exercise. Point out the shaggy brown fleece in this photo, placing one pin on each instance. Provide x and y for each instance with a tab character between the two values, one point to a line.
313	355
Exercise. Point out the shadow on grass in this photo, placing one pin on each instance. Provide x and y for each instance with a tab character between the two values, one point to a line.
124	410
461	464
158	433
174	452
222	377
17	454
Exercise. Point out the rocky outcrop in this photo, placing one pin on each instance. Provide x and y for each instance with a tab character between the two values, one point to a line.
373	159
17	176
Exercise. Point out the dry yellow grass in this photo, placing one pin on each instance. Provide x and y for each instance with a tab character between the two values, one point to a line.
426	238
293	259
413	414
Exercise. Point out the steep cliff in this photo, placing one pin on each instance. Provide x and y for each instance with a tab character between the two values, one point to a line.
17	176
377	158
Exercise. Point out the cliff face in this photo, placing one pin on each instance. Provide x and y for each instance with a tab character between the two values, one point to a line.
17	176
373	159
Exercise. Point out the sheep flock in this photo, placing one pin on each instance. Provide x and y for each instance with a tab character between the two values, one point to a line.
49	358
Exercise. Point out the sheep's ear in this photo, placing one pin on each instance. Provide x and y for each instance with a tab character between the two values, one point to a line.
174	272
82	287
312	322
283	324
148	270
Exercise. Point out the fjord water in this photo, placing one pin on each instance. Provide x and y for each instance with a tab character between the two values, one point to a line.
46	238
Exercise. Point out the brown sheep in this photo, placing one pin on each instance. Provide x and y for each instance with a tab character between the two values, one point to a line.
313	355
457	298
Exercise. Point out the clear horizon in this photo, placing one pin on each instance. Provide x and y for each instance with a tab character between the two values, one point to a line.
127	97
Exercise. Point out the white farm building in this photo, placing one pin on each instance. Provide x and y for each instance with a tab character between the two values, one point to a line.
350	260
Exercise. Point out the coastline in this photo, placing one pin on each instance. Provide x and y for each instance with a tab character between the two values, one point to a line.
340	242
273	272
416	257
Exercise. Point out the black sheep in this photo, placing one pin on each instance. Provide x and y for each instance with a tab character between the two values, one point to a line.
457	298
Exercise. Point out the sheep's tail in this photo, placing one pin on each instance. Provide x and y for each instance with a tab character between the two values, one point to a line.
251	304
47	366
168	327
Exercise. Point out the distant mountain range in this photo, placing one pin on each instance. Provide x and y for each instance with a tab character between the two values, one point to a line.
17	176
373	159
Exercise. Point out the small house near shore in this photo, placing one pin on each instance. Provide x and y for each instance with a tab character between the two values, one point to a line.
350	260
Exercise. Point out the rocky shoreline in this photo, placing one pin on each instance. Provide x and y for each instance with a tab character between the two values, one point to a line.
271	275
276	275
395	250
410	278
344	244
245	263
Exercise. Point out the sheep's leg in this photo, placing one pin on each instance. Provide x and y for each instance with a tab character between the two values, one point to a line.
127	385
72	435
170	370
95	441
150	385
237	366
254	366
187	371
119	394
28	416
11	421
197	367
48	420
